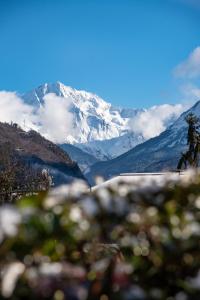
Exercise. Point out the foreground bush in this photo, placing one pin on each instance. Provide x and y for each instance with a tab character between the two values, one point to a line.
121	242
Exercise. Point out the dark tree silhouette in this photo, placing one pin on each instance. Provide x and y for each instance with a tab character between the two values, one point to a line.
191	157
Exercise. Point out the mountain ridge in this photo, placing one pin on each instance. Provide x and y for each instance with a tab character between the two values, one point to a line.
160	153
37	151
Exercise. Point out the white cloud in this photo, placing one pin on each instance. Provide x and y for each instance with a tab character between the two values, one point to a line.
191	92
190	68
154	120
56	120
53	119
12	108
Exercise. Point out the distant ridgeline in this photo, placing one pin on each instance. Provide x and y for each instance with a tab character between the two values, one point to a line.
29	161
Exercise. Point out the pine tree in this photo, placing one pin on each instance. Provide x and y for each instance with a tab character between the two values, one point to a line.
191	157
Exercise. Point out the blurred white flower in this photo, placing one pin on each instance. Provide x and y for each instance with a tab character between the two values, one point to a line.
75	214
89	206
51	269
64	192
197	202
123	268
181	296
10	276
134	217
9	220
104	197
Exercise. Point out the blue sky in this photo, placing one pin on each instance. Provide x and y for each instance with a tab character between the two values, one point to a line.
123	50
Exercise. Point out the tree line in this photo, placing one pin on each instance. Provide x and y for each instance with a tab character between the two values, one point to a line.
19	177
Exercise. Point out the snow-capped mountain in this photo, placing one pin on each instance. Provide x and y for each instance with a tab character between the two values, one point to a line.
156	154
108	149
97	126
94	126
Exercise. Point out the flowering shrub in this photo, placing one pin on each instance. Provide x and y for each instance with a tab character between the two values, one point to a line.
118	242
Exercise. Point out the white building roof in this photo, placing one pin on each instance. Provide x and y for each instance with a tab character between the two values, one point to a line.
144	179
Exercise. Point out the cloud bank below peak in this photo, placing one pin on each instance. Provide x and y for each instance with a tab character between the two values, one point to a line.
13	109
156	119
190	68
53	120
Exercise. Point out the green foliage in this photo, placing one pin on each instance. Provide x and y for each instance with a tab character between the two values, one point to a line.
120	242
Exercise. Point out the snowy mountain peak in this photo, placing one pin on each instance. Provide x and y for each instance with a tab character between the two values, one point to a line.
81	118
93	118
35	96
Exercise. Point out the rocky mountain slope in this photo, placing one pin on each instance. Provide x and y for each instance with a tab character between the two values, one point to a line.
34	149
156	154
